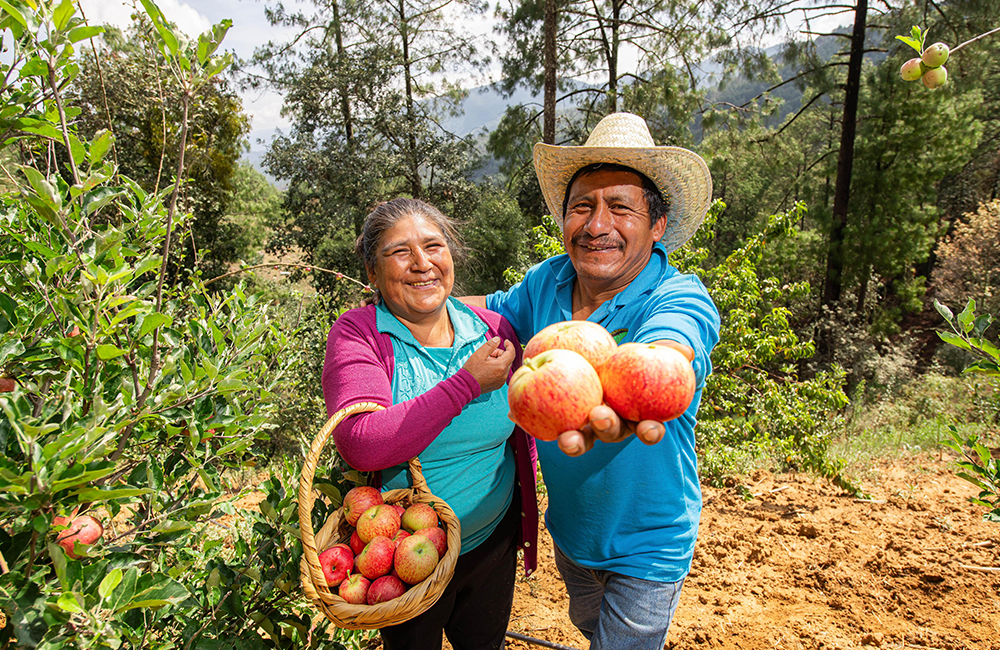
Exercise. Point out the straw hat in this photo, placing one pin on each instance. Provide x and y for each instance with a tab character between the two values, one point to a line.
623	138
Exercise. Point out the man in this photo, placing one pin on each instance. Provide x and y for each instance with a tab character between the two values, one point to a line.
624	517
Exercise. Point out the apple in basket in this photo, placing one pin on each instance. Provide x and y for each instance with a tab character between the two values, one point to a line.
380	520
553	392
589	340
355	543
419	515
399	509
415	559
646	381
438	537
400	535
354	589
376	559
385	588
336	562
359	499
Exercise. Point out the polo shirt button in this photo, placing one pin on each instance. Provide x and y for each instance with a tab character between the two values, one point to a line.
522	514
527	544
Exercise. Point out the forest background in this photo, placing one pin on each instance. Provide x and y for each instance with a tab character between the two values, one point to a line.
164	306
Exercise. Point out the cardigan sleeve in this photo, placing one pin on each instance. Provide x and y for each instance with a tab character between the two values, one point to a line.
357	369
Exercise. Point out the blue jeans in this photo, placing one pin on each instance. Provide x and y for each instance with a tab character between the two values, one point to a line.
617	612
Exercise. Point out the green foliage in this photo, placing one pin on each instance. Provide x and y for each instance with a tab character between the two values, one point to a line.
978	466
754	397
133	402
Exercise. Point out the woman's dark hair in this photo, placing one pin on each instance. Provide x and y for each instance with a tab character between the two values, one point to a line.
657	203
387	214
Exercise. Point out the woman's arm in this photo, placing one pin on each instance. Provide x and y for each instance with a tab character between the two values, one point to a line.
356	370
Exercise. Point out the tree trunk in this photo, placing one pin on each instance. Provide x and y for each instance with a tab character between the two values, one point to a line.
833	286
616	10
345	105
549	101
416	188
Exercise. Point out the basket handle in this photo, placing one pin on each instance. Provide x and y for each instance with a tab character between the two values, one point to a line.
307	496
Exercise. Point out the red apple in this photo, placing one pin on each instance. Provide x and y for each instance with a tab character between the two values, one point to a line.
553	392
376	558
359	499
7	385
378	520
589	340
419	515
438	537
400	535
84	529
646	381
415	559
399	509
354	589
356	544
336	563
385	588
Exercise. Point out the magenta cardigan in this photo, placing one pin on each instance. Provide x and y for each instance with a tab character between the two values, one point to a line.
359	368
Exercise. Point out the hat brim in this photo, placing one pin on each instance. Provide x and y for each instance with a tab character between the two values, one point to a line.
681	175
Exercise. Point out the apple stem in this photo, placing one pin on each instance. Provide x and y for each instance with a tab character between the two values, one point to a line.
973	40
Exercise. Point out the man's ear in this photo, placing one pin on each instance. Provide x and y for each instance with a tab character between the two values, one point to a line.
660	228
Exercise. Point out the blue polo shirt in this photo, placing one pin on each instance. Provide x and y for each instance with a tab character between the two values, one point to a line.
469	465
624	507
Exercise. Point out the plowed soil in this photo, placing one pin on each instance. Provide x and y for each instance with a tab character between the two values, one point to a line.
802	566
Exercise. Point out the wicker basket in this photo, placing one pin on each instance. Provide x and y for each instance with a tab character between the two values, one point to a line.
418	598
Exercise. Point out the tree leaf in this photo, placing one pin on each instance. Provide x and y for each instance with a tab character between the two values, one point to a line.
106	351
109	583
915	44
10	10
943	310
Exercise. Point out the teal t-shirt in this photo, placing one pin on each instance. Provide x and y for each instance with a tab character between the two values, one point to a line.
469	465
624	507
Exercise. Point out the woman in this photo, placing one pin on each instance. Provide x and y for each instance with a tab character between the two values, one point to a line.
440	370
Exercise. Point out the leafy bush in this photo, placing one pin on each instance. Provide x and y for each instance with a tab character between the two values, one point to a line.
977	464
129	398
968	260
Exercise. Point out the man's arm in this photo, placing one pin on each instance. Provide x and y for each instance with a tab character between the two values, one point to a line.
474	301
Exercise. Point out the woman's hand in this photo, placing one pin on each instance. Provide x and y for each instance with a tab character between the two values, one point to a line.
490	364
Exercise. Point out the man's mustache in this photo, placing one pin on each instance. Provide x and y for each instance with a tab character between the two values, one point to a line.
598	242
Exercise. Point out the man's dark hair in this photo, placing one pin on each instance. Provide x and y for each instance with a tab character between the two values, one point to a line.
658	204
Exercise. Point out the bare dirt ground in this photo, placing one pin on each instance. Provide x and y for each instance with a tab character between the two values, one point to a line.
804	567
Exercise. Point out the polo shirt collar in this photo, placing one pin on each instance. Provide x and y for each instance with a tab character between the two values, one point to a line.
647	280
469	328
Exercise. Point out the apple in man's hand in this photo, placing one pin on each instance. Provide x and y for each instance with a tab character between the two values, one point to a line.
378	520
589	340
336	562
359	499
648	381
415	559
554	391
354	589
419	515
376	558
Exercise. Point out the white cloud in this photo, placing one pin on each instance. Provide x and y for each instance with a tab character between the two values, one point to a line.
118	13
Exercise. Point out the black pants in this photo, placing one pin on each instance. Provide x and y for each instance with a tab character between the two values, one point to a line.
475	606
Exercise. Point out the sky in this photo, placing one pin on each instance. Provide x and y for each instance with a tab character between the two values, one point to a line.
250	29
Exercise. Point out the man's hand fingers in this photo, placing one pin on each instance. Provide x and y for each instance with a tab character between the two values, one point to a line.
574	443
487	349
650	431
606	424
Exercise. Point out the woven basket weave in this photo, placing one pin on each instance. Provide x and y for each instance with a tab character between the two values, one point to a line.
418	598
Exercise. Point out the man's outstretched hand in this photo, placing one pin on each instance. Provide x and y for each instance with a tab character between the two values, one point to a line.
606	426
